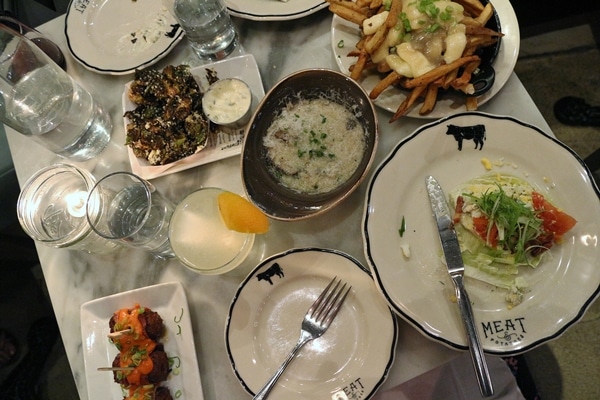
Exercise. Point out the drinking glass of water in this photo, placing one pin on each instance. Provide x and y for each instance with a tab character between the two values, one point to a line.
41	101
51	209
128	209
47	46
207	26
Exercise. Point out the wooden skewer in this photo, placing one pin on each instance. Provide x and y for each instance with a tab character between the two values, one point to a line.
115	368
118	334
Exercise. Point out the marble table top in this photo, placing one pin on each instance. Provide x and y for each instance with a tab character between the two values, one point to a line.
74	278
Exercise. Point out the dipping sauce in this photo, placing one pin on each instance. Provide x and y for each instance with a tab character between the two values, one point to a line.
315	145
227	102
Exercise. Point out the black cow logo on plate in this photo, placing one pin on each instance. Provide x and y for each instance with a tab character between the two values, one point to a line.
476	133
274	270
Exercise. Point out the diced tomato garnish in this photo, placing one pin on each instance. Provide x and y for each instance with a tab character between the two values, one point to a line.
481	227
460	201
554	220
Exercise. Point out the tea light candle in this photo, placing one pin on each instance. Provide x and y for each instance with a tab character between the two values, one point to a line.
76	203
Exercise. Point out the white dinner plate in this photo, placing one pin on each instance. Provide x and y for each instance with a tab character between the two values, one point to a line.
223	143
352	358
115	37
169	301
418	287
273	10
347	33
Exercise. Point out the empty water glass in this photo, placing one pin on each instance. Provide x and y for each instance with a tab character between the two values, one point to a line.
128	209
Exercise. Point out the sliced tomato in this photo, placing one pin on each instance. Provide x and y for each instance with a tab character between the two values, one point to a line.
554	220
460	201
481	227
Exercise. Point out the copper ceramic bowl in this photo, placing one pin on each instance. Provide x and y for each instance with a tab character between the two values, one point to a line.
262	185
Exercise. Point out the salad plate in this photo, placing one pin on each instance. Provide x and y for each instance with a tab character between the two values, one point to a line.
345	34
115	37
273	10
416	283
223	142
351	359
170	302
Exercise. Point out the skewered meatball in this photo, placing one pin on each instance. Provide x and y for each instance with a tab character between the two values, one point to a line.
158	374
151	322
149	392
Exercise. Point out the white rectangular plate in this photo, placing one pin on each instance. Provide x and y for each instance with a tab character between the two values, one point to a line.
168	300
228	144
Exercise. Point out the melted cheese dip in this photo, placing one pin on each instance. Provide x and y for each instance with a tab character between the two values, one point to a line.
227	101
315	145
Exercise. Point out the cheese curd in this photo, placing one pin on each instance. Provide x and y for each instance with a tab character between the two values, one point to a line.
430	34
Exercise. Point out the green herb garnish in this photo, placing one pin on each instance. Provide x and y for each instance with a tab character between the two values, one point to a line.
402	227
517	223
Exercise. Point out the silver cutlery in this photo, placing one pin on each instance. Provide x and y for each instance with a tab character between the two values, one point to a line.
316	321
456	269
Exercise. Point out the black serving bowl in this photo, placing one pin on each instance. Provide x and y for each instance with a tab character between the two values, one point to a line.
261	185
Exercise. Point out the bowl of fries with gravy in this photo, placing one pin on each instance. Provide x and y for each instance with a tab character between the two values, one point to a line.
426	58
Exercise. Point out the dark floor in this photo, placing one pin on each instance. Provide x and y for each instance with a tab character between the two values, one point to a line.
26	314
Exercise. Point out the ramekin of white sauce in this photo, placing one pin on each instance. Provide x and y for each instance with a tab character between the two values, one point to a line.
228	102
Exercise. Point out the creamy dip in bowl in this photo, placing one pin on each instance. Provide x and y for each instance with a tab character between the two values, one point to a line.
227	102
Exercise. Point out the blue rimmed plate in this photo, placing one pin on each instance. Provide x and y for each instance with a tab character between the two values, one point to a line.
115	37
351	360
418	286
274	10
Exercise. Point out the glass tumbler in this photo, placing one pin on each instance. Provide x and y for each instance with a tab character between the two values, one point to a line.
47	46
51	209
41	101
207	26
200	239
128	209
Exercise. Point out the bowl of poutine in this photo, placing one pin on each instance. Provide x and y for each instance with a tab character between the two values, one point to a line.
426	59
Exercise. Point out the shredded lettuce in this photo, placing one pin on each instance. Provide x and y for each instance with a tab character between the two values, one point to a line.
506	203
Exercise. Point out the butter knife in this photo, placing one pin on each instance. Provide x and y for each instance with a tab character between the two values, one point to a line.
456	269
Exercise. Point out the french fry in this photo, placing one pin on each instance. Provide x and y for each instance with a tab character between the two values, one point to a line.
383	84
473	7
383	67
373	42
408	102
470	21
376	4
347	13
466	75
430	98
479	30
486	14
438	72
395	9
359	66
471	103
351	5
449	78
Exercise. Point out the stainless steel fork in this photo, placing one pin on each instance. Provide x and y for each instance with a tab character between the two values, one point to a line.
315	323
